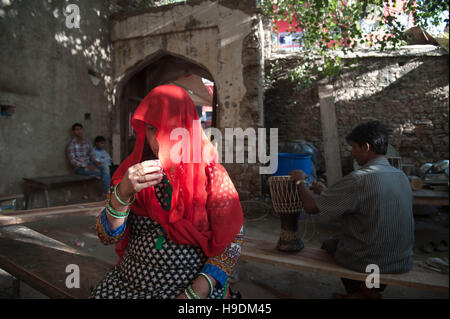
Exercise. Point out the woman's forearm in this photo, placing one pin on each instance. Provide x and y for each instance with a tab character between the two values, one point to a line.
201	286
114	222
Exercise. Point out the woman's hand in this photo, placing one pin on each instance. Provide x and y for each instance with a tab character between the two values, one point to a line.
182	296
201	287
138	177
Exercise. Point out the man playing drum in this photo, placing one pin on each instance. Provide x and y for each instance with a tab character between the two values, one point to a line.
375	204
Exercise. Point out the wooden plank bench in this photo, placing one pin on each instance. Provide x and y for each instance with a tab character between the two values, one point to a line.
320	262
38	184
41	262
29	215
431	197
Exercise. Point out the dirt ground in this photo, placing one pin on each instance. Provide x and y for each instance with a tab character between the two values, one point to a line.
252	280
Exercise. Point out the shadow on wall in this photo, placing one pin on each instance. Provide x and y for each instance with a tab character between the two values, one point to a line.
408	94
54	74
80	30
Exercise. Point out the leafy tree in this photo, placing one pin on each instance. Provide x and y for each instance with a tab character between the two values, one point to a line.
332	25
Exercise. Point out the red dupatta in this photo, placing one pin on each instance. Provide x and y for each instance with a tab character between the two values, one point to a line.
202	213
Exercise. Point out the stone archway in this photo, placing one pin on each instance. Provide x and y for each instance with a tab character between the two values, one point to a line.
162	68
222	38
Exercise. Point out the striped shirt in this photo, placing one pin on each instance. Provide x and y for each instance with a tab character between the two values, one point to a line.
375	203
79	154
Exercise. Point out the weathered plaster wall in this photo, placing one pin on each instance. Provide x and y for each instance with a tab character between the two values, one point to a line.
44	73
407	91
224	37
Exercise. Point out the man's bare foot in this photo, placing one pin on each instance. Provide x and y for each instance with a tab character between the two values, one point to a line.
363	293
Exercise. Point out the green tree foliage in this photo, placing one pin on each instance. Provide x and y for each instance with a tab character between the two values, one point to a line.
331	25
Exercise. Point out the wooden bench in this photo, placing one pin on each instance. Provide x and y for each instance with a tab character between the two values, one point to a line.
38	184
29	215
430	197
40	262
318	261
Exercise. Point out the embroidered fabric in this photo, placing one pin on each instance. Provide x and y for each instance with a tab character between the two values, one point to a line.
219	267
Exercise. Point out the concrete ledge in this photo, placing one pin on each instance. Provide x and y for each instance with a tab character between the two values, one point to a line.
405	51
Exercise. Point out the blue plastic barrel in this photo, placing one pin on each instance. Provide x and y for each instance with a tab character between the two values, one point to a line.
287	162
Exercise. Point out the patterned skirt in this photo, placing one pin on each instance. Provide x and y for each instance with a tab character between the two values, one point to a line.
152	267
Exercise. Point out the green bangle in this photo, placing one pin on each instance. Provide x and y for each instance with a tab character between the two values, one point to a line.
188	295
114	215
192	292
110	210
118	198
211	287
108	205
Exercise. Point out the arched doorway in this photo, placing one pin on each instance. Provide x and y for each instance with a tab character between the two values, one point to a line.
166	68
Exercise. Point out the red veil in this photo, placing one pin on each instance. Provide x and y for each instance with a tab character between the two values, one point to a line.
203	213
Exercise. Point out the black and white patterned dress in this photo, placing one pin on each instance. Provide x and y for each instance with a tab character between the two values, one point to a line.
146	272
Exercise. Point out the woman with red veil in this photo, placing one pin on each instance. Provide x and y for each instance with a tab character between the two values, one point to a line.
174	215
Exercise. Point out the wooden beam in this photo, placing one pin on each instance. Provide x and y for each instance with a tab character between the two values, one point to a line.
329	133
318	261
33	280
41	262
431	197
25	216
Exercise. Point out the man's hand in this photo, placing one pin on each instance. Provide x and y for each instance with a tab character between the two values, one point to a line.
298	175
317	187
305	195
91	167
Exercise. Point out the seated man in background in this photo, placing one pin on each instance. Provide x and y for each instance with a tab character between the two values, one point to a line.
375	203
82	158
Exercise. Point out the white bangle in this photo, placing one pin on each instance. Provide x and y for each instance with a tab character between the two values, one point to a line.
302	181
211	287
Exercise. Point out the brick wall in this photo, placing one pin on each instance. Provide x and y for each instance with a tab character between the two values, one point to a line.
407	91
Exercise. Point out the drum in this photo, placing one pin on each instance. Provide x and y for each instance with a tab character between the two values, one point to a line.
286	202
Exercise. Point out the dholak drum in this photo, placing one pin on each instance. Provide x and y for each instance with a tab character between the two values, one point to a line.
286	202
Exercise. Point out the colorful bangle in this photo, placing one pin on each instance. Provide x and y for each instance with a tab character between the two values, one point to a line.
109	206
188	295
118	198
114	213
211	287
192	293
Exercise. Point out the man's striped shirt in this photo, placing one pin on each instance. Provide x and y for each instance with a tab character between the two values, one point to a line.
79	154
375	203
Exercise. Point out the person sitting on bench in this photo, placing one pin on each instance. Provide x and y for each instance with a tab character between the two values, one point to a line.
101	155
82	158
375	203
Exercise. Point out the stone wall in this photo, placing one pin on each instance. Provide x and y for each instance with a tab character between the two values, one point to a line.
225	38
406	90
54	76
